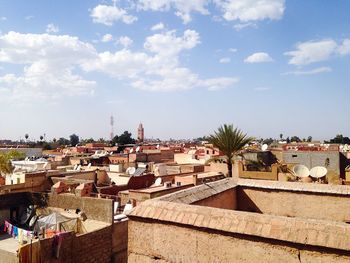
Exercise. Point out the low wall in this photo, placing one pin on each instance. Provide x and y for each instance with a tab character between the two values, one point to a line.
91	247
95	208
167	232
295	200
120	242
224	200
273	175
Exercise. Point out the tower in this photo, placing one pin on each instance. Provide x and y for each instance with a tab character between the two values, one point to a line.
140	133
112	127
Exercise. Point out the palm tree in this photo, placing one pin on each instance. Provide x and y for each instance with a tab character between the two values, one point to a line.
26	136
229	141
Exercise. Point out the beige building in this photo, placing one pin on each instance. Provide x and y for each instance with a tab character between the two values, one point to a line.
248	221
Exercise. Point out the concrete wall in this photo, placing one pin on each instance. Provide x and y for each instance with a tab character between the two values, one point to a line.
151	242
294	204
312	159
95	208
224	200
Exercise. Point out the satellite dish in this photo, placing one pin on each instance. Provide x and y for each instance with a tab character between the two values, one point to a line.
264	147
158	182
318	171
131	170
301	171
137	149
131	150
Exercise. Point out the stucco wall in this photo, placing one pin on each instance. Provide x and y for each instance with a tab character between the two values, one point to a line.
95	208
294	204
120	242
156	242
225	200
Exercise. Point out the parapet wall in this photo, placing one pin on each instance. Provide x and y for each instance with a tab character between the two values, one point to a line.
290	199
173	229
95	208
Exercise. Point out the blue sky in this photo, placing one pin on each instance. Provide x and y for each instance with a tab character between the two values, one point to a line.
182	68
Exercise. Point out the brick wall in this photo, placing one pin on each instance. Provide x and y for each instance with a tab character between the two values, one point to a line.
94	247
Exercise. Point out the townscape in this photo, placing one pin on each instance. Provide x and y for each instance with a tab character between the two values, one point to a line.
174	131
148	202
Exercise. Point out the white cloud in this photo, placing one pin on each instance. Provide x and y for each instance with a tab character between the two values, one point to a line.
108	15
3	18
259	57
53	65
251	10
107	38
183	8
225	60
29	17
240	26
158	26
157	68
233	50
344	48
48	65
168	45
51	28
125	41
312	51
310	72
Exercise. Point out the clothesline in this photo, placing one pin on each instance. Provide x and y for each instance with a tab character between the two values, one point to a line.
17	232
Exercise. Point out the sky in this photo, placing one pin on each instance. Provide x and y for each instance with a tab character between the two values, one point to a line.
182	68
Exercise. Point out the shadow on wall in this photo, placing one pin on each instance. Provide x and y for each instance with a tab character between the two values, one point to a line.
245	203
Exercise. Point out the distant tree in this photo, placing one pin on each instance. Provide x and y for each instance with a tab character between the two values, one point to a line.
54	140
339	138
5	161
309	139
288	140
90	140
101	140
63	141
26	136
203	138
41	138
295	139
230	141
46	146
124	138
74	139
281	136
268	141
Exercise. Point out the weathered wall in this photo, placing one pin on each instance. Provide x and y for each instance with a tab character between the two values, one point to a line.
8	257
225	200
120	242
94	247
151	242
294	204
95	208
66	250
312	159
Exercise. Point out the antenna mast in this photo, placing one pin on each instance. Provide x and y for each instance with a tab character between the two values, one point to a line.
112	127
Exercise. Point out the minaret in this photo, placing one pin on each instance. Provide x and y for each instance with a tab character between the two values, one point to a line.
140	133
112	127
